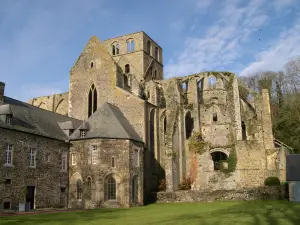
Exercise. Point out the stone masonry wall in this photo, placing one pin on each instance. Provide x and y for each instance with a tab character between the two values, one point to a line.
56	103
47	177
121	152
103	76
263	193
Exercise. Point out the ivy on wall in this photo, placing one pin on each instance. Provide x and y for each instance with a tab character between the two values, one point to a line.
197	144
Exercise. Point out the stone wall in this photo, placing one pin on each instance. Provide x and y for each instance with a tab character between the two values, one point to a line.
104	77
47	177
113	158
56	103
261	193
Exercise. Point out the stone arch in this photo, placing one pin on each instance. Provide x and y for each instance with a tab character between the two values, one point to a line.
42	105
218	155
59	107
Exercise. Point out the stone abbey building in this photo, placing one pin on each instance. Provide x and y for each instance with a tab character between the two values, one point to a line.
122	129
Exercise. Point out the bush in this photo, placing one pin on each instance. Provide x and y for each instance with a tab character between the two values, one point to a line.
162	185
185	184
272	181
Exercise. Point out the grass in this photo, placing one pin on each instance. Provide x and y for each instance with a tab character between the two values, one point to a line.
225	213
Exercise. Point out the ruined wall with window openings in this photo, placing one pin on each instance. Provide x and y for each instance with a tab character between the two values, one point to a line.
206	126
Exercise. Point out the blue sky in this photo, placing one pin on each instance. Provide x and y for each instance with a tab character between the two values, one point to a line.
40	40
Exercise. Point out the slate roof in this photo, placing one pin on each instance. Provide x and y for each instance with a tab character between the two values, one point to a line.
31	119
107	122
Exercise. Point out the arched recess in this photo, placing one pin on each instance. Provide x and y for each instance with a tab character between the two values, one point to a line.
42	105
244	133
89	188
151	135
135	189
215	113
218	155
189	125
212	81
60	108
92	100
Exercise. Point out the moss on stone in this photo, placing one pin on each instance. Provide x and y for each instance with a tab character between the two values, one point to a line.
197	144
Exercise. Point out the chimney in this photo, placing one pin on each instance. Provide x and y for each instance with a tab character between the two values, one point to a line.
2	87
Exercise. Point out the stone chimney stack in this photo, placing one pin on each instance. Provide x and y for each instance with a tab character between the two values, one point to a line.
2	87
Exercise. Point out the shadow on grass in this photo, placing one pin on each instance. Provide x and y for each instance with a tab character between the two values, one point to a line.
81	217
251	212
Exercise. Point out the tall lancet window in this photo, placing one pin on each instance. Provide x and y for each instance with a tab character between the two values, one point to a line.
92	100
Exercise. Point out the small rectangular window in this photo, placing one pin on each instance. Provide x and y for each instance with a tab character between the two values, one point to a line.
64	162
8	119
32	158
82	133
74	159
6	205
8	181
9	154
94	154
215	117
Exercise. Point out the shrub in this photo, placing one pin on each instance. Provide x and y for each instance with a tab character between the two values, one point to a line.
185	184
272	181
162	185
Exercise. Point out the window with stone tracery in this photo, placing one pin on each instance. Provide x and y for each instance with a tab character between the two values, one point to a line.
92	103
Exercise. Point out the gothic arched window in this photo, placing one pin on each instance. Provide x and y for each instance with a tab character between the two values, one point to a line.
92	105
110	188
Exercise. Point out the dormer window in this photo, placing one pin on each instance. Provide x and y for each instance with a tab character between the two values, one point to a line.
8	119
82	133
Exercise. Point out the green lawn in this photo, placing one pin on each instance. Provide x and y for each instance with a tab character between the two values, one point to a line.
224	213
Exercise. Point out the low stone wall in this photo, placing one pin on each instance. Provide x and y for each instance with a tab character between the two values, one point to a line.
261	193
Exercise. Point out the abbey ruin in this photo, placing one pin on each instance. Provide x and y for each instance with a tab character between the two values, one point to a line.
122	128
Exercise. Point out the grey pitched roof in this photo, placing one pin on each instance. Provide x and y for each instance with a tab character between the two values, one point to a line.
108	122
68	125
31	119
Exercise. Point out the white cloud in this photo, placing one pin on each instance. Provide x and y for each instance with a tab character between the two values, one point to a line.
203	4
221	43
277	55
